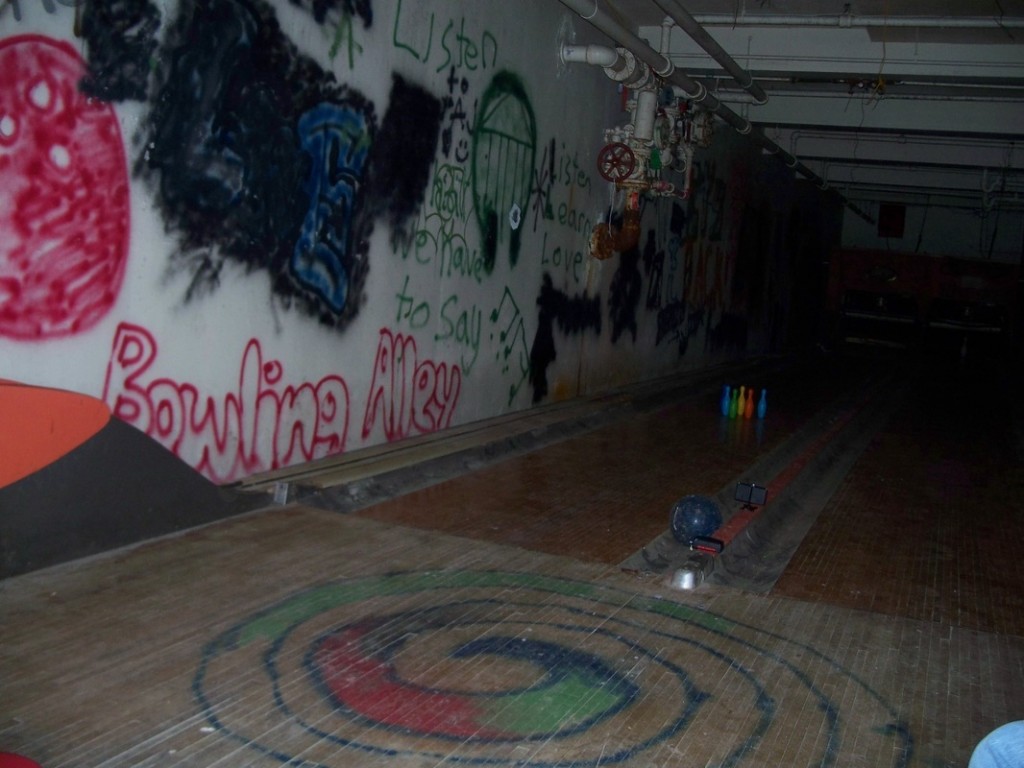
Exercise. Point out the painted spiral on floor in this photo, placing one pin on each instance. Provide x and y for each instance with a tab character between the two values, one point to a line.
514	669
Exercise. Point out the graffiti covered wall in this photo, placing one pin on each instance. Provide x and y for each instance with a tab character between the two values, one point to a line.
266	231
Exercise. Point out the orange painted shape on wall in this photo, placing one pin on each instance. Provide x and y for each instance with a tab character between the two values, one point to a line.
39	425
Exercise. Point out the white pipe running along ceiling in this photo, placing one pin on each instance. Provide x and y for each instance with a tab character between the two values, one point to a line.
941	72
680	17
602	19
850	21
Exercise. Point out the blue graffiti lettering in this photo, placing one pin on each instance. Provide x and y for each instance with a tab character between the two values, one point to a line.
337	140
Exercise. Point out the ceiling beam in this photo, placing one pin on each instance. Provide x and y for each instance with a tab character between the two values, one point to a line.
901	148
840	52
867	111
976	183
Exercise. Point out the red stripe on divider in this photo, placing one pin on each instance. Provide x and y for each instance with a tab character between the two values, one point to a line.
735	524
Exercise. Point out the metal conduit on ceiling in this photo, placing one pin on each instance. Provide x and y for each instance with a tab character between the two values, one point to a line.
682	19
602	20
849	21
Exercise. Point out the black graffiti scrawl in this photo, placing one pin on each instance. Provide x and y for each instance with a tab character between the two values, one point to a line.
626	288
410	131
121	39
573	315
258	155
321	8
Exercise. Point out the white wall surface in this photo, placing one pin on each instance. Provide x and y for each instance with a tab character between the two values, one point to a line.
262	237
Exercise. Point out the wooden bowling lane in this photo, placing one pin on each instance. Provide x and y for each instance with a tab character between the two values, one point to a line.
298	636
927	522
603	494
906	509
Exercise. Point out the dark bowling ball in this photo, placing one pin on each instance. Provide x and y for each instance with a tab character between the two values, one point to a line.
694	516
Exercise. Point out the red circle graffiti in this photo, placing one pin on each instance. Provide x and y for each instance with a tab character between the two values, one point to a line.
64	205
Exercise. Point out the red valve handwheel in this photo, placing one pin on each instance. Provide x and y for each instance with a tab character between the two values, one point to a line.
615	162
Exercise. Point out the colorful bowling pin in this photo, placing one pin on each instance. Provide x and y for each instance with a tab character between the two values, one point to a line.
741	404
762	404
749	410
725	400
733	401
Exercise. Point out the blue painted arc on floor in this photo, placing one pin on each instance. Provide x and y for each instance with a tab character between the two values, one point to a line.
498	668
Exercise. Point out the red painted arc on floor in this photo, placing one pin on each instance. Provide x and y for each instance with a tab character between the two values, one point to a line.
573	691
11	760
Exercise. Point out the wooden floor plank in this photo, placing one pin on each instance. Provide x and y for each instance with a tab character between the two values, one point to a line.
484	620
924	525
281	635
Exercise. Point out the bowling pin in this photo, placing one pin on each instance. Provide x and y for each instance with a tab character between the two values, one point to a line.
733	402
725	401
762	404
749	410
741	404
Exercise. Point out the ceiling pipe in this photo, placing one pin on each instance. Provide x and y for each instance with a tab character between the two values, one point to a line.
619	65
682	19
601	55
898	90
590	11
849	21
